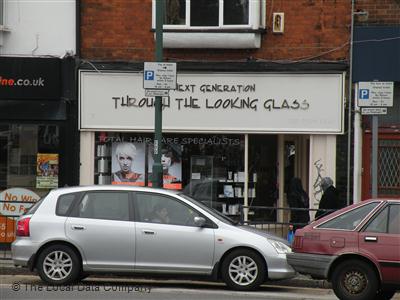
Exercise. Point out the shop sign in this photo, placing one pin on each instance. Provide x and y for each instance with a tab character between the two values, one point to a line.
30	78
14	202
223	103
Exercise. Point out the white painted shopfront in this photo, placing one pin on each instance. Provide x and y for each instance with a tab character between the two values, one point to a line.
302	111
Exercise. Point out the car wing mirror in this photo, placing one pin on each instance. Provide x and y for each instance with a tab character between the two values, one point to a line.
199	221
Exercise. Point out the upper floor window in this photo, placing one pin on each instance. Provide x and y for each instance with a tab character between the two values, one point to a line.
213	23
207	12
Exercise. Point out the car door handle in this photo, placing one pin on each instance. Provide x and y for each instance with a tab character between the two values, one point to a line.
78	227
148	232
371	239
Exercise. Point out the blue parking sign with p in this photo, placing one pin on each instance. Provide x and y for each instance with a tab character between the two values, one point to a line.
149	75
363	94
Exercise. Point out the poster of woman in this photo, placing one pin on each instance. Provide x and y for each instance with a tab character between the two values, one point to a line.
171	164
127	163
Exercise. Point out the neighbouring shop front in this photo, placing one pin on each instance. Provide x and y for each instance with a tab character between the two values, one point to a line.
378	62
36	132
229	139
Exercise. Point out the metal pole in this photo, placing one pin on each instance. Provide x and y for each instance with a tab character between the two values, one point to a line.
157	167
349	106
374	156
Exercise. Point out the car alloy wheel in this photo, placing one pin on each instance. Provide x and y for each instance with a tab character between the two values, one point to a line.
58	264
243	269
354	280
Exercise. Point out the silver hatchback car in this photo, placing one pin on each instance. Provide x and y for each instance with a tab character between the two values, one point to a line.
77	231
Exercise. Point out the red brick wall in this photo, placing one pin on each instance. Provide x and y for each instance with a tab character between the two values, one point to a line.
380	12
314	30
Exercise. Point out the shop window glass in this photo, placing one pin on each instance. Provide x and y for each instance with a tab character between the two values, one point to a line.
203	166
29	156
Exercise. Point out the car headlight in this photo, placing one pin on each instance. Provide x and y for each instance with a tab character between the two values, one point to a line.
280	247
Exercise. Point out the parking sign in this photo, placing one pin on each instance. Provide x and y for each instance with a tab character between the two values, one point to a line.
159	76
375	94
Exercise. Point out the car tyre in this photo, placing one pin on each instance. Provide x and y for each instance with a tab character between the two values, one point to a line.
59	264
243	270
355	280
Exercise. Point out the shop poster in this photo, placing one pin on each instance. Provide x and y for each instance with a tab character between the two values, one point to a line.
128	163
14	202
47	170
171	161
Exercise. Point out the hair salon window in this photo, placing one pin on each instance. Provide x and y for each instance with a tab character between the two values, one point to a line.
194	13
196	164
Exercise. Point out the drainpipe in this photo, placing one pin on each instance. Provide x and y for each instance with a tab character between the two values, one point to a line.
78	28
349	98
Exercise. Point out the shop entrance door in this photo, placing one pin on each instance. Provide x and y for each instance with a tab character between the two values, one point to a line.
388	165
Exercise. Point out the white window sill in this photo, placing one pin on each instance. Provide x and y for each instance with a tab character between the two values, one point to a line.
5	28
213	40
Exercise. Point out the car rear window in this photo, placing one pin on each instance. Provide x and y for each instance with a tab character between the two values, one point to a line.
34	207
351	219
65	203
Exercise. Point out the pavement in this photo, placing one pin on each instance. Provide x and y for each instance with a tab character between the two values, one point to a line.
7	268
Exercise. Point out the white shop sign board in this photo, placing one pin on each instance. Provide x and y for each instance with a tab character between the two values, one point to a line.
375	94
215	102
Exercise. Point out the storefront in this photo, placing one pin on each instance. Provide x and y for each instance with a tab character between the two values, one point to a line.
374	62
229	138
37	126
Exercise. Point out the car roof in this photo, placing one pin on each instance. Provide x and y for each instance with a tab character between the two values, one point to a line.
85	188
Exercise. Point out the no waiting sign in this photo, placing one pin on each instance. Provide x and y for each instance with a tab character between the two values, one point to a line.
375	94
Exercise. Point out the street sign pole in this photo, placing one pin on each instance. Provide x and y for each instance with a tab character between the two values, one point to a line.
157	167
374	156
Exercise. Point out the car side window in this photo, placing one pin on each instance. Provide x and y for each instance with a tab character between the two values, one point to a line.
104	205
156	208
394	219
351	219
379	222
65	203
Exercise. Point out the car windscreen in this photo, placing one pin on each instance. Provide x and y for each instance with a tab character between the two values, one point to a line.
210	210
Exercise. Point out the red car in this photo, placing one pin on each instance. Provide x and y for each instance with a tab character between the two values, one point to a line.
357	248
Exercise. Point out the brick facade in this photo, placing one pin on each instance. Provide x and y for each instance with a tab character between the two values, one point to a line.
382	12
121	30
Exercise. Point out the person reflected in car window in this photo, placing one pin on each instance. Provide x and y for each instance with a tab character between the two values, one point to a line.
160	214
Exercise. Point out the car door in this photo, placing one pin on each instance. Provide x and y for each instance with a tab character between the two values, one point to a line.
101	226
174	244
381	240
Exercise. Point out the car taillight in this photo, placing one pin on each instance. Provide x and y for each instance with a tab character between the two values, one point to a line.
23	227
298	242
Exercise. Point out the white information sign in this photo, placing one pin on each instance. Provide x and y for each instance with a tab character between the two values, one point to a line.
216	102
375	93
155	93
373	110
159	76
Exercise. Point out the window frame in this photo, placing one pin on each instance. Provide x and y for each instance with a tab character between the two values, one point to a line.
256	18
74	210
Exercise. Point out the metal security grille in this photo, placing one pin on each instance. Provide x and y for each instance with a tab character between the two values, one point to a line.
389	168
